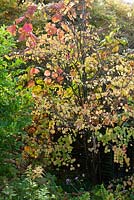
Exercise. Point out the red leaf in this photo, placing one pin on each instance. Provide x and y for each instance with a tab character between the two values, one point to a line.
12	29
25	31
34	71
27	28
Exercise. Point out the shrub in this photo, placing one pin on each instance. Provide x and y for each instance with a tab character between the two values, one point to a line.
15	109
83	90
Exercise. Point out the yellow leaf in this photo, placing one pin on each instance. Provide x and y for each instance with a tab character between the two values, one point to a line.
115	49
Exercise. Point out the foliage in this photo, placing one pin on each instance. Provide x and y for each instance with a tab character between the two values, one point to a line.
82	84
9	11
15	109
107	14
83	89
34	185
120	191
15	104
27	187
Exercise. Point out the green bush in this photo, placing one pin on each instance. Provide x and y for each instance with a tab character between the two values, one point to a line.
15	109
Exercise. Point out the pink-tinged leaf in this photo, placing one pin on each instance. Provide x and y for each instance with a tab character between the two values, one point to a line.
57	18
54	75
34	71
12	29
59	70
30	83
47	73
31	10
27	28
25	31
19	20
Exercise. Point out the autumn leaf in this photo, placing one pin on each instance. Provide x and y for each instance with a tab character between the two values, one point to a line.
23	35
73	73
19	20
12	29
60	79
31	83
30	11
27	27
59	70
47	73
25	31
27	149
47	81
131	63
34	71
54	75
56	18
51	29
115	49
60	34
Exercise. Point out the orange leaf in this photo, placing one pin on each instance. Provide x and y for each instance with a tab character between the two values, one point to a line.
27	148
54	75
12	29
48	81
60	34
34	71
31	83
51	29
57	18
60	79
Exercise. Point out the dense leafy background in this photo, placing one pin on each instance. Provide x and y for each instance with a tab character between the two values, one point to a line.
66	100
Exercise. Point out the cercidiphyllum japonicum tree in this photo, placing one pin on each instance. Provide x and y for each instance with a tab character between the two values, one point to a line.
15	106
83	90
